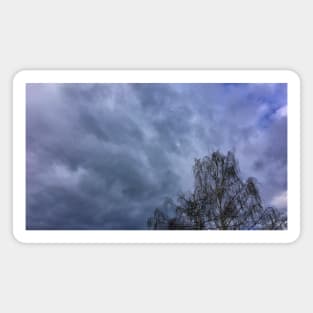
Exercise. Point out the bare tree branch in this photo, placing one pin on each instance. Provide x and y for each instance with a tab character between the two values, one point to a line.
220	200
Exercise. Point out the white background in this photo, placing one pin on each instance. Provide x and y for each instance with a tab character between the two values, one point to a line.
155	34
179	76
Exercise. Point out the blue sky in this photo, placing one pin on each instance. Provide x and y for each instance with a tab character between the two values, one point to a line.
104	156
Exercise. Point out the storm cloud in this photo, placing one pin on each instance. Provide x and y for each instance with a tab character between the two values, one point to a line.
104	156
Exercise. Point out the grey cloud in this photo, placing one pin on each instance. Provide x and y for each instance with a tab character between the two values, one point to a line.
103	156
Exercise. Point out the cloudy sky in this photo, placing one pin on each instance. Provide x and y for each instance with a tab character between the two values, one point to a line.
104	156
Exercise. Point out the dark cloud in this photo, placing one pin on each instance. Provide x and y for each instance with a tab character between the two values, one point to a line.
104	156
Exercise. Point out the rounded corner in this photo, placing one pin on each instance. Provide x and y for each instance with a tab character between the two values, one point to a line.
294	76
19	76
18	237
295	237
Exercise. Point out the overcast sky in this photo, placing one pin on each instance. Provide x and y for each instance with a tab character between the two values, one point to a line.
104	156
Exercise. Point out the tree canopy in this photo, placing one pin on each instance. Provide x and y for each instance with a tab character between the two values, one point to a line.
221	200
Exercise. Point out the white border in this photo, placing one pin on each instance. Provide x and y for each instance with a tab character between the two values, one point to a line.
153	76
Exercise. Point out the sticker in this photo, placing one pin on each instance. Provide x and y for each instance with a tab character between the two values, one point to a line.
156	156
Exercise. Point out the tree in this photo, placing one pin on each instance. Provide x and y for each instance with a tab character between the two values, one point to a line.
221	200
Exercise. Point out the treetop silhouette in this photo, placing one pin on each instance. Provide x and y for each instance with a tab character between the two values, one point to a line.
221	200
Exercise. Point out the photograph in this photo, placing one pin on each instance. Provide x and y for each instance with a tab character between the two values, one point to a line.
156	156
